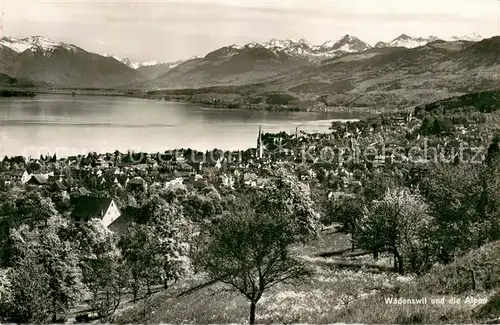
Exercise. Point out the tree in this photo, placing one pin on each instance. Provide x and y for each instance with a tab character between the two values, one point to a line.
398	224
287	196
27	296
457	200
376	186
490	178
157	251
140	254
198	207
104	279
493	154
35	208
103	273
169	228
249	252
50	249
30	209
347	211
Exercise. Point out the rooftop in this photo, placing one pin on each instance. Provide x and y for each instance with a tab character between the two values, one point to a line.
90	207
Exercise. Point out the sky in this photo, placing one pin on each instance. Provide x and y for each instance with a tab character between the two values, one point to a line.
172	30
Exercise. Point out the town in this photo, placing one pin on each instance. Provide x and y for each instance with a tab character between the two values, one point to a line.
338	183
338	161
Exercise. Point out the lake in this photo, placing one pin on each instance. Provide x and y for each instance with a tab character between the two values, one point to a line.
69	125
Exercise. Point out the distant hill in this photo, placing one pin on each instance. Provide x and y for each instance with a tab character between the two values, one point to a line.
59	64
229	65
484	102
8	81
152	71
346	73
395	77
407	41
16	93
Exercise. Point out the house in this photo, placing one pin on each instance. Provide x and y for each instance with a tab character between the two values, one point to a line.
226	180
82	191
19	176
250	179
340	195
137	183
101	163
179	174
122	179
37	179
86	208
209	171
52	179
58	186
177	181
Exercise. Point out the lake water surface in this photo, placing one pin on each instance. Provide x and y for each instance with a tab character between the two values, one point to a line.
77	125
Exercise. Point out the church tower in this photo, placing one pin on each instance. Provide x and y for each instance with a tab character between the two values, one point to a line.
260	148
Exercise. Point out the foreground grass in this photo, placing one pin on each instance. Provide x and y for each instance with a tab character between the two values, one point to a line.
333	287
347	287
459	296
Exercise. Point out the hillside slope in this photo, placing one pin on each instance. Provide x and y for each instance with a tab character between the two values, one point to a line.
382	78
453	284
9	82
395	77
61	65
227	66
484	102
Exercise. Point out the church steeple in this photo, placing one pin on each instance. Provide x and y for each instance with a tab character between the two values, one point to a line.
259	143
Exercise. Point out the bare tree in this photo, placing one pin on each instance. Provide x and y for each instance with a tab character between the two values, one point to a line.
250	253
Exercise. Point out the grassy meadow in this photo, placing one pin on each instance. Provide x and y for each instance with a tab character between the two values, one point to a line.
347	287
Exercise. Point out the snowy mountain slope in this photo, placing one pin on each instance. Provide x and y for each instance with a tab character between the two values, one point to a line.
229	65
55	63
302	48
154	69
147	64
407	41
471	37
125	61
347	44
35	43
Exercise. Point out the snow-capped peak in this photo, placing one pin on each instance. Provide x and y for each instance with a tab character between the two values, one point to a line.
134	65
125	61
137	65
404	40
407	41
471	37
34	43
348	44
155	63
283	44
403	37
301	48
235	47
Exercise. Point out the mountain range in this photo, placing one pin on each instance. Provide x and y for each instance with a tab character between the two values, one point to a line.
46	62
328	49
376	79
149	69
54	63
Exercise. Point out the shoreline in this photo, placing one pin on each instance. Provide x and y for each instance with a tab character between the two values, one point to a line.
222	99
158	152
